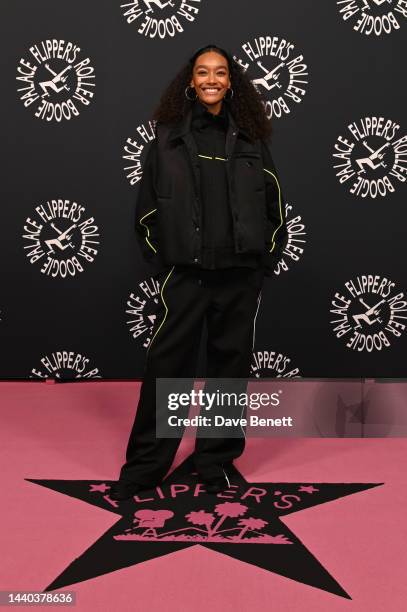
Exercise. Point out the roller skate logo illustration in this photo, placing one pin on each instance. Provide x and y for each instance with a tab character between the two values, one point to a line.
63	240
278	72
374	160
370	157
159	18
270	80
369	313
157	4
366	3
61	237
58	83
373	17
369	316
55	80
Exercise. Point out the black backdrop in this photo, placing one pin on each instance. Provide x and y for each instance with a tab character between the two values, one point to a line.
97	320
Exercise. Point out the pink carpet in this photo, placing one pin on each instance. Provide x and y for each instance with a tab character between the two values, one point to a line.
79	432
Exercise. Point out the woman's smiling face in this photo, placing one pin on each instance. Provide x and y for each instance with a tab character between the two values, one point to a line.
210	78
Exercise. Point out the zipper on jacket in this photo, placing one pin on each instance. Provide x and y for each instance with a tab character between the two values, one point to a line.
190	155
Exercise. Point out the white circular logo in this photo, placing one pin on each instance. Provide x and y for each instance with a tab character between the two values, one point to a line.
296	242
65	364
160	18
369	313
371	157
277	71
56	80
61	237
269	364
141	310
374	17
133	151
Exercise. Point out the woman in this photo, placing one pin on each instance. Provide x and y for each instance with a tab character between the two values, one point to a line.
211	222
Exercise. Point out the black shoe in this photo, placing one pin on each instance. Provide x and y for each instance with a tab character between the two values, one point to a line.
124	489
216	485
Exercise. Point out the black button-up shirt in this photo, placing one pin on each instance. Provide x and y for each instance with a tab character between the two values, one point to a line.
209	132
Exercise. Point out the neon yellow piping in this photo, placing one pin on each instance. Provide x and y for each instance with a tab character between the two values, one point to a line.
279	203
166	309
147	228
212	157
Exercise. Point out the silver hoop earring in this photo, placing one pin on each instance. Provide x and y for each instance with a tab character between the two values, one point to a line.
230	97
186	95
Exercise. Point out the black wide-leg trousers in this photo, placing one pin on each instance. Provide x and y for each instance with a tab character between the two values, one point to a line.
229	300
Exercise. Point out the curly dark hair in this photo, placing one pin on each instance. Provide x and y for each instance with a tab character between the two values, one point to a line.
245	105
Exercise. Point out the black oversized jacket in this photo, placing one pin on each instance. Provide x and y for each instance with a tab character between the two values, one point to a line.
209	132
168	211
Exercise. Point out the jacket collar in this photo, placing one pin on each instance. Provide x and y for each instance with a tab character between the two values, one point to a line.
183	126
202	116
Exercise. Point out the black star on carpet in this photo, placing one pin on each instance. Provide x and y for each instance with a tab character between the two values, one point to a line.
242	522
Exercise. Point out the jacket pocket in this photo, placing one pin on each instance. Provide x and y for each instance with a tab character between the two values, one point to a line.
248	172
